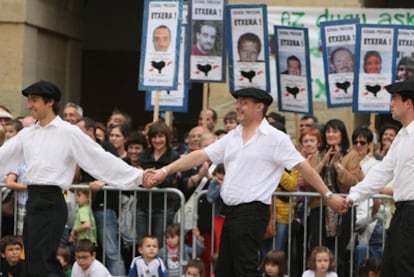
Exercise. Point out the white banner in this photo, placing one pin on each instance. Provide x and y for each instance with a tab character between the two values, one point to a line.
312	17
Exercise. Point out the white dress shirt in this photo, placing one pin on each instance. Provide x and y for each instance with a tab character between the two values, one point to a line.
52	152
397	164
254	168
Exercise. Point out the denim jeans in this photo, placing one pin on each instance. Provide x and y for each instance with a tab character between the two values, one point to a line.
281	239
157	223
113	259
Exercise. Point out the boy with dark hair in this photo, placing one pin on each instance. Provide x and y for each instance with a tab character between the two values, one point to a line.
148	263
11	265
86	263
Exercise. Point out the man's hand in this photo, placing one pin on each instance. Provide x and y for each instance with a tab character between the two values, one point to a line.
338	204
96	185
349	202
153	177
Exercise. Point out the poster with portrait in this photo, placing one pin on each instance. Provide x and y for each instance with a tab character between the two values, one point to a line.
207	56
248	46
174	100
375	63
293	69
405	54
338	48
160	45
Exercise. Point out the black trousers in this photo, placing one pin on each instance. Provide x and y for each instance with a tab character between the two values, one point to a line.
46	214
241	239
398	257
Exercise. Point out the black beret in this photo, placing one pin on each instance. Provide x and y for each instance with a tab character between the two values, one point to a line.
43	88
405	87
258	94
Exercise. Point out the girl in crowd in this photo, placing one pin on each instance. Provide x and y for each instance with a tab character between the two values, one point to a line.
118	136
194	268
274	264
339	167
321	263
386	136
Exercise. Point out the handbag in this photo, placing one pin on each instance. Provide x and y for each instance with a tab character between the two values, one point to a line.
189	223
7	203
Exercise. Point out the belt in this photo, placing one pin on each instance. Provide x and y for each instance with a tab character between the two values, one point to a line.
243	207
404	204
43	188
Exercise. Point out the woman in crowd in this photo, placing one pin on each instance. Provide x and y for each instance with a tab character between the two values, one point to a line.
339	167
158	155
386	136
118	136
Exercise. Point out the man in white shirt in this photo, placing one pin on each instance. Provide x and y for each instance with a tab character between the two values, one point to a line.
51	149
397	165
255	156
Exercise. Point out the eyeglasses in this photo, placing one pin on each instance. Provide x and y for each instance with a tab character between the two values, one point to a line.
361	142
82	257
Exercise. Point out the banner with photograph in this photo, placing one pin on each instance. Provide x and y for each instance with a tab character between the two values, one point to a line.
338	40
207	39
375	65
248	46
160	45
174	100
405	54
311	18
293	67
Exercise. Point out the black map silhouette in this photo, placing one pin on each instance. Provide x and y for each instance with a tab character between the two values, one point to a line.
294	91
248	74
373	89
205	68
343	86
158	65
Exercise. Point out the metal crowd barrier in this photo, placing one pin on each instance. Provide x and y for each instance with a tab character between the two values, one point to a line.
181	200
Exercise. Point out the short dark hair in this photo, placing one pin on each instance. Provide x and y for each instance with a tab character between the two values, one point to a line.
136	138
309	116
10	240
249	37
363	132
15	123
85	245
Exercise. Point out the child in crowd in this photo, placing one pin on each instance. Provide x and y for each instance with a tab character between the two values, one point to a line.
11	128
230	121
194	268
370	268
148	264
274	264
321	263
11	248
86	263
213	196
85	227
65	259
171	253
14	181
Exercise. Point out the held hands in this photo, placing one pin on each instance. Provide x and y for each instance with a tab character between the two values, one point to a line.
153	177
338	204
